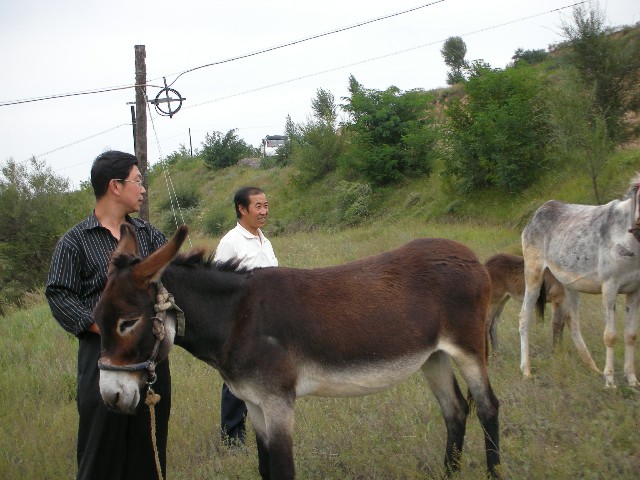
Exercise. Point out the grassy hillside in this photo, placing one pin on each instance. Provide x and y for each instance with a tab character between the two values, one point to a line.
294	209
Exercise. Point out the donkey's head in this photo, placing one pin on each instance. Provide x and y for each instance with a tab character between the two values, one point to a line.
634	195
125	315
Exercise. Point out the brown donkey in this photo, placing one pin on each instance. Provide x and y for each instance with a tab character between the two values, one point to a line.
276	334
507	281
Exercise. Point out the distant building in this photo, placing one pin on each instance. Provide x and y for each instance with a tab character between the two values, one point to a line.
271	143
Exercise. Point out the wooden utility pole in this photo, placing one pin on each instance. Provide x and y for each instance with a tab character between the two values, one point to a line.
141	125
133	122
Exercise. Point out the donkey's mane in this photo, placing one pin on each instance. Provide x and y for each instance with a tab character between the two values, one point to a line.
202	258
124	260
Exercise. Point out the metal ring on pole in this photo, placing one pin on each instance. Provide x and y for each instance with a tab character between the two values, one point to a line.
168	100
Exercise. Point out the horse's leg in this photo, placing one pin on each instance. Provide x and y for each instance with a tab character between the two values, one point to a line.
533	277
473	369
274	437
492	325
572	320
439	373
630	329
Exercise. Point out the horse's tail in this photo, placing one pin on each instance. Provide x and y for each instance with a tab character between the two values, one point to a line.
542	301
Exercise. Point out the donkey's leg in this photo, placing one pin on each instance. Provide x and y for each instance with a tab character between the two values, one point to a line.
473	369
557	320
492	322
439	374
262	440
610	334
572	304
555	295
533	277
630	330
278	416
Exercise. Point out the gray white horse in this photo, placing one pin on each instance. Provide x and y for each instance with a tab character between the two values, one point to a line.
589	249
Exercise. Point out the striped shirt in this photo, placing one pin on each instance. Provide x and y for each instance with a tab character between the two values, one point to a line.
78	271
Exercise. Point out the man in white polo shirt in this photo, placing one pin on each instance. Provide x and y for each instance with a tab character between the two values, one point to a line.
247	244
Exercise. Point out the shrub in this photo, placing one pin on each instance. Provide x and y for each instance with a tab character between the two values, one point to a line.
215	222
220	151
352	201
497	136
391	132
36	209
184	196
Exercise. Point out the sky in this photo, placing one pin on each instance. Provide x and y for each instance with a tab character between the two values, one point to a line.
69	46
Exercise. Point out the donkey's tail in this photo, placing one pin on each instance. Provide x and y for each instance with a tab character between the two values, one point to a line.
542	301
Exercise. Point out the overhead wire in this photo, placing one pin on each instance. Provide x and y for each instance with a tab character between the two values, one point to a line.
379	57
75	94
247	55
313	37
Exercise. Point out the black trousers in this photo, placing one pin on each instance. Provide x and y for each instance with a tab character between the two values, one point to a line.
113	445
232	412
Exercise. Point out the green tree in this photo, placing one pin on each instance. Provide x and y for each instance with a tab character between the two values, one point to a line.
453	51
284	154
532	57
579	132
497	133
317	144
221	151
609	66
36	209
391	132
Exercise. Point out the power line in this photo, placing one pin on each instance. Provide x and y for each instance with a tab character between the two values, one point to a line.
63	95
378	57
313	37
79	141
70	145
288	44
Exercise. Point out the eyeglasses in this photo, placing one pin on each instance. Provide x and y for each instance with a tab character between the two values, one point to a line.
137	182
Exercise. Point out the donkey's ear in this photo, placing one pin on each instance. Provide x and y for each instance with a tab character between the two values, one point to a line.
128	244
128	241
150	269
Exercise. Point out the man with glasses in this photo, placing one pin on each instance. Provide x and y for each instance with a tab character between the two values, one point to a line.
110	445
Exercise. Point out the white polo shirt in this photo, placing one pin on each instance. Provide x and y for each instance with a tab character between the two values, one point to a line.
254	250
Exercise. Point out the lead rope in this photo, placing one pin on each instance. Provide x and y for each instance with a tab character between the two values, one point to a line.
164	302
151	400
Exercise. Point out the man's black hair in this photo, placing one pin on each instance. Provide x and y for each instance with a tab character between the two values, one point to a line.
107	166
242	198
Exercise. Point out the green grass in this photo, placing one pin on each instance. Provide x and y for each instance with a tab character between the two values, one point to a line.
562	424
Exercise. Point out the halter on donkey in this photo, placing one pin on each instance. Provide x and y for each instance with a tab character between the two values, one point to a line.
276	334
589	249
